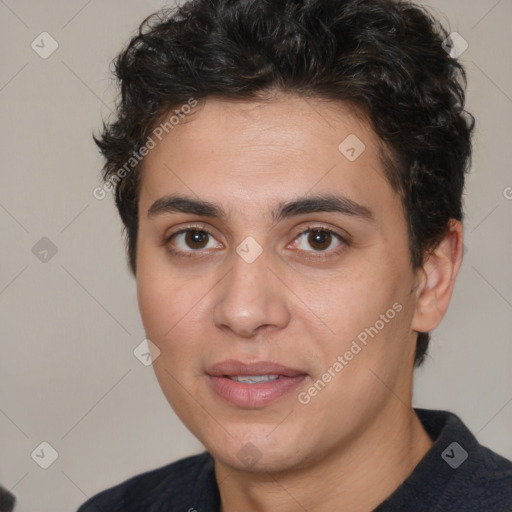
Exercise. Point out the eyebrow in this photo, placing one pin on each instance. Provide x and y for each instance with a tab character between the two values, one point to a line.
300	206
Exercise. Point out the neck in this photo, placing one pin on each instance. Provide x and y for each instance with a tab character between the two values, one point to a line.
355	478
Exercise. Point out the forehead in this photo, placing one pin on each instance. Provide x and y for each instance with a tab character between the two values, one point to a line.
285	122
267	151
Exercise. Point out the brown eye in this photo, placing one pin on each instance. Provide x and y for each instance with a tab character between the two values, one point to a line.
191	240
196	239
319	239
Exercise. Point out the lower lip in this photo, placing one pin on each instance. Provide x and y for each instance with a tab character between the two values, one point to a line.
254	395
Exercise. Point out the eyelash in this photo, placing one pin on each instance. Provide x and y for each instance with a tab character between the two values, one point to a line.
312	254
186	254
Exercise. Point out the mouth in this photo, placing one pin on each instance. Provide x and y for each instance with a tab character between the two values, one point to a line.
252	379
253	385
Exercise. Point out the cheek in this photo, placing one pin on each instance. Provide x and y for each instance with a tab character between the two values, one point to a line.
163	300
352	301
154	302
366	316
174	313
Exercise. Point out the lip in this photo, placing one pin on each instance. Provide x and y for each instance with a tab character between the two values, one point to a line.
253	395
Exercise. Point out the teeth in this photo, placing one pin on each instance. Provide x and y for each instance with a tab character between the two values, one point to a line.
253	379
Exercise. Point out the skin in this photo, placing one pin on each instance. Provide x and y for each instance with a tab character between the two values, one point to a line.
355	441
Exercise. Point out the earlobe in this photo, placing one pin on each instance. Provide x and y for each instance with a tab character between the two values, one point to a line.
436	279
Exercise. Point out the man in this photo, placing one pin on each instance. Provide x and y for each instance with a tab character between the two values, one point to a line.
290	178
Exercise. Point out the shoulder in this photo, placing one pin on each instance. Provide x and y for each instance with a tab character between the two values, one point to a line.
474	477
486	482
174	486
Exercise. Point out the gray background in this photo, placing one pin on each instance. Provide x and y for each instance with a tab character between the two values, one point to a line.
69	325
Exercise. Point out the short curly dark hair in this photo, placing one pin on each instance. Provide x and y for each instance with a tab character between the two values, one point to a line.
386	58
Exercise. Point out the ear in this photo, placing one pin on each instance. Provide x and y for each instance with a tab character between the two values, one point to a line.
436	279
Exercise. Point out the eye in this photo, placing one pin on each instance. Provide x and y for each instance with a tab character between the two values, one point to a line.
319	239
192	240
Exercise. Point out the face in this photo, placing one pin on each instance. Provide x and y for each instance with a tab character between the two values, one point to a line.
271	246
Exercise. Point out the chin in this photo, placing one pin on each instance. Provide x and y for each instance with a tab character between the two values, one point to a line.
259	454
275	463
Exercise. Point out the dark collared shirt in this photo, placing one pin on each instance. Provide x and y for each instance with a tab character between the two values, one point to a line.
456	475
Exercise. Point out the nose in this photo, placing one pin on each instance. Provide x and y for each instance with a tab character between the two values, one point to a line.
250	299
